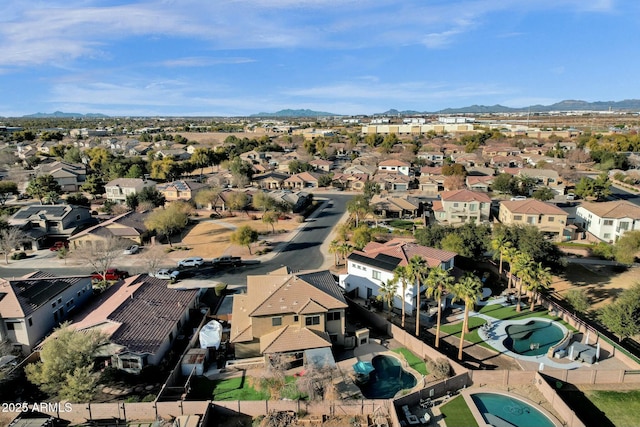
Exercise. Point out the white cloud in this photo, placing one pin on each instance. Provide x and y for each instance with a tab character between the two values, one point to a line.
201	61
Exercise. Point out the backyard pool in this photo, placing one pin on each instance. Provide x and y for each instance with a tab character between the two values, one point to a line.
387	378
532	338
497	408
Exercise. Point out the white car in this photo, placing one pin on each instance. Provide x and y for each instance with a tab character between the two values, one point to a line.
518	198
195	261
167	274
133	249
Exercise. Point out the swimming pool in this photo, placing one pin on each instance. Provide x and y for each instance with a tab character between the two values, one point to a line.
533	338
387	378
497	408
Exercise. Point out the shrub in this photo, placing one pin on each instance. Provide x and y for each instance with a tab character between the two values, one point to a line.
149	398
220	288
578	299
440	368
18	255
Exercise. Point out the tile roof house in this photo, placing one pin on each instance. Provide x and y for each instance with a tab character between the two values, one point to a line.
42	223
355	181
118	189
546	217
33	305
608	221
321	165
270	180
479	183
128	226
180	190
70	176
545	178
394	206
395	166
460	206
393	181
302	180
288	313
374	265
141	317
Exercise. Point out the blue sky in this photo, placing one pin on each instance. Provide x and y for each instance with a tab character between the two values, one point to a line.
235	57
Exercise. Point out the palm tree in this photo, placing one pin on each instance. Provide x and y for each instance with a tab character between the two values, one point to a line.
333	249
523	267
401	274
500	245
418	270
542	280
387	292
468	290
358	207
344	249
510	255
438	282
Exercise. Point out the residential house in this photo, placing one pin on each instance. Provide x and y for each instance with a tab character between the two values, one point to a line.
302	180
253	156
395	206
500	161
118	189
223	200
608	221
321	165
128	226
33	305
368	269
430	170
297	200
180	190
45	223
174	153
269	180
141	317
395	166
354	181
70	176
479	183
544	178
393	181
432	157
546	217
288	314
491	150
468	160
430	185
460	206
359	169
45	146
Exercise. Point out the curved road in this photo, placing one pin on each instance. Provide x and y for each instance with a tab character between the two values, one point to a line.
302	252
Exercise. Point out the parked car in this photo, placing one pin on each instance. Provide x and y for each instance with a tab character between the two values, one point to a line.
133	249
194	261
110	274
227	260
571	196
59	245
518	198
165	273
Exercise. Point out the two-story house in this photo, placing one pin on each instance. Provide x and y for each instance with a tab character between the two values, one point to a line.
302	180
395	166
31	306
460	206
45	223
141	317
180	190
608	221
546	217
544	178
118	189
70	176
287	314
375	264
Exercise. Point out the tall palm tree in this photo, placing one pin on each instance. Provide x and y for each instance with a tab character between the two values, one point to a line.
333	249
438	282
387	293
401	274
510	255
500	245
468	290
418	270
344	249
524	271
542	281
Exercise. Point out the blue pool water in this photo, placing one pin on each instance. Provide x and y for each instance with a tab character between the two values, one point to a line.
515	411
533	338
387	379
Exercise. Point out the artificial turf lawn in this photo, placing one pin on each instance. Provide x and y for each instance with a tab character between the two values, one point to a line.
237	388
414	361
457	413
620	407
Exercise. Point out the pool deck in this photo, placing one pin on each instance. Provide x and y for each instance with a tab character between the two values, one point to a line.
497	333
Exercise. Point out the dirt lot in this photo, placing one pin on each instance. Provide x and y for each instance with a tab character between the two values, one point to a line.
210	238
602	283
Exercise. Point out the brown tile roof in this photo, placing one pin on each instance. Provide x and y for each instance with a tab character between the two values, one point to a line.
532	206
293	338
404	250
145	309
615	209
394	162
464	196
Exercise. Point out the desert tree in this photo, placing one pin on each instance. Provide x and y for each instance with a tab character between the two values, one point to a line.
99	254
244	236
10	238
169	220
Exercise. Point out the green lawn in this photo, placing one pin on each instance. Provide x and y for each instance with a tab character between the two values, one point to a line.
414	361
457	414
229	389
621	407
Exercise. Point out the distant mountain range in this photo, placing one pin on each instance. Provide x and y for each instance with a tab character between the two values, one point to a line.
566	105
61	115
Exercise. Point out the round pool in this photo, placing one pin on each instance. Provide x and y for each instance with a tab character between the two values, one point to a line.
497	408
532	338
387	378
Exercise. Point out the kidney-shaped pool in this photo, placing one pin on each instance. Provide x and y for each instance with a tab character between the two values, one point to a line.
387	378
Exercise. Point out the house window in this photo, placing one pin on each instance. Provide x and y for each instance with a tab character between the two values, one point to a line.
334	315
550	219
624	226
455	205
376	274
473	207
312	320
276	321
30	321
70	303
531	219
130	363
296	318
607	235
170	336
53	304
517	217
608	222
11	326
